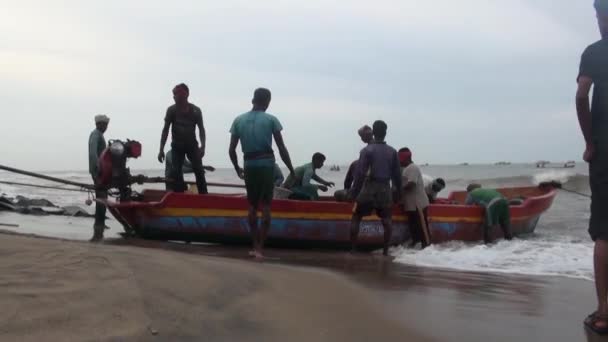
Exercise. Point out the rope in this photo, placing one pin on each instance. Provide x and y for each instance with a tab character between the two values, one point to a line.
576	192
43	186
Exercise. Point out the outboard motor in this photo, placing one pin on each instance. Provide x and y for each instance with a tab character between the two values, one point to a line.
113	170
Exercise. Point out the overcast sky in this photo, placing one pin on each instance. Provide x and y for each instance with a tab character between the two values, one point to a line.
456	81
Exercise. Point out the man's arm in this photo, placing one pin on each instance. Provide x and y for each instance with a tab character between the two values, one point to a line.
350	175
583	111
201	132
362	167
320	180
396	176
278	139
163	137
93	157
234	141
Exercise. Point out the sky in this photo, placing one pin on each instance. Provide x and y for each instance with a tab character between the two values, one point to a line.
475	81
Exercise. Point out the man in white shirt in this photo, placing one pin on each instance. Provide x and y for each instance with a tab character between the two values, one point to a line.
414	199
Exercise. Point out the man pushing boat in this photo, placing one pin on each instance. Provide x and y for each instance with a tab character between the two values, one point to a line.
373	191
496	210
255	131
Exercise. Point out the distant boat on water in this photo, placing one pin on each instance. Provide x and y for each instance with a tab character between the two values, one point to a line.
542	164
335	168
502	163
570	164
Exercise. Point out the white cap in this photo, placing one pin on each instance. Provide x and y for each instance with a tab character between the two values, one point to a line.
101	118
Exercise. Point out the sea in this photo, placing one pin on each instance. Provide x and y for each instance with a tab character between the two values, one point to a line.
560	246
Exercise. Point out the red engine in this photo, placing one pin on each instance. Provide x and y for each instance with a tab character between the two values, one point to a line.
112	166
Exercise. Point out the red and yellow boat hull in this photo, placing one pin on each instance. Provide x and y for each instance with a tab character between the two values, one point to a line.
223	219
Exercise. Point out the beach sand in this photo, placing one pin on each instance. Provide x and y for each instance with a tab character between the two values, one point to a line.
442	304
129	289
57	290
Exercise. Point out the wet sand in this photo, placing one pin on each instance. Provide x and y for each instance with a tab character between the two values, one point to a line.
73	290
442	304
57	290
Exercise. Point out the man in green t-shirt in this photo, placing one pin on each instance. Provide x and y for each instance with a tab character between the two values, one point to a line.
97	143
300	182
496	210
255	131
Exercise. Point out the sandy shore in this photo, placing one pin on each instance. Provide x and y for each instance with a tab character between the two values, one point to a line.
64	290
54	290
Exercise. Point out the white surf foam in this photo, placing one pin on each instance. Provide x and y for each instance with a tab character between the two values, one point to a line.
561	176
535	256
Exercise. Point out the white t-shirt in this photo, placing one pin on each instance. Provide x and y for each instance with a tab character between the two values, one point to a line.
430	192
415	197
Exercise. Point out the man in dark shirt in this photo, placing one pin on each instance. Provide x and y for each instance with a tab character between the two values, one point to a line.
373	191
183	118
594	125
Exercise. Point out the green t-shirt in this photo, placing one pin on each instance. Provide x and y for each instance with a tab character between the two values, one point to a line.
255	130
301	177
97	144
482	196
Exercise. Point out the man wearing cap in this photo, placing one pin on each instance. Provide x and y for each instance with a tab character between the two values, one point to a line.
415	202
366	135
372	190
97	143
255	131
183	118
593	121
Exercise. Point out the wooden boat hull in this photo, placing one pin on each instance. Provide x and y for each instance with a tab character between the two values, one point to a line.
223	219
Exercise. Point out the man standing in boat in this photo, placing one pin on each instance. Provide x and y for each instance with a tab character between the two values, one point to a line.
97	144
373	191
594	125
183	118
300	181
255	130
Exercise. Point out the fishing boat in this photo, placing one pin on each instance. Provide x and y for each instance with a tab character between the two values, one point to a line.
220	218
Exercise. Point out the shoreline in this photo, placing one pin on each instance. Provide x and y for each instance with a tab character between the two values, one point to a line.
401	300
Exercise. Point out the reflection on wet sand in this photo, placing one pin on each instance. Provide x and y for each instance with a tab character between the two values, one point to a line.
467	306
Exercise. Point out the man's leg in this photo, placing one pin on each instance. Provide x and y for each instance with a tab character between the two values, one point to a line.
197	168
355	225
100	216
266	222
387	223
505	221
414	226
600	265
177	172
253	227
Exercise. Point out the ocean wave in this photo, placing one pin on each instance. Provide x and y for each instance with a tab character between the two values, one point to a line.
536	256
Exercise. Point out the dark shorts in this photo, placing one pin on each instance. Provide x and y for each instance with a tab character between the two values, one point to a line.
598	181
375	196
259	182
